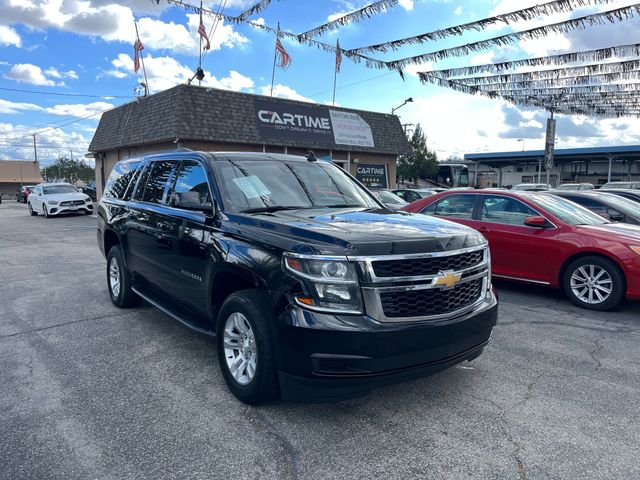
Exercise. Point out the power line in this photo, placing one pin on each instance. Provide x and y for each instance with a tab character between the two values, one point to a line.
61	94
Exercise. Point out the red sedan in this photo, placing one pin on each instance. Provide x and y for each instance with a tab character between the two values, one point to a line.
544	239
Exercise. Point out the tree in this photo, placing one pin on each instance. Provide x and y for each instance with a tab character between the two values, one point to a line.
68	170
422	163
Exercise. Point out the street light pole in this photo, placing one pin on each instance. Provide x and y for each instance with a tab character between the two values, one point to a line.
408	100
522	140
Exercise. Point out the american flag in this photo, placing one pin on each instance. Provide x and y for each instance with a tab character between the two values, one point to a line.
338	56
203	34
283	58
137	48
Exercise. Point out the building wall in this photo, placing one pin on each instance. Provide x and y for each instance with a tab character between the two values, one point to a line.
347	160
14	174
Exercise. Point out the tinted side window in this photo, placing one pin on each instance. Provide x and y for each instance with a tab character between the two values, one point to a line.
455	206
191	187
120	179
160	174
505	210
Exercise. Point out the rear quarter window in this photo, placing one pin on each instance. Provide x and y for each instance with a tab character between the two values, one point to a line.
121	181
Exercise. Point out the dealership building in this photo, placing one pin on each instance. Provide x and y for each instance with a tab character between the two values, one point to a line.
16	173
366	144
596	165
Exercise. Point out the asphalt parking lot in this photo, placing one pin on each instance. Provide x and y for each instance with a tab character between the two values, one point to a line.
90	391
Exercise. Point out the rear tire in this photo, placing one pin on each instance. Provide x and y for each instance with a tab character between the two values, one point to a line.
119	280
246	348
595	283
31	211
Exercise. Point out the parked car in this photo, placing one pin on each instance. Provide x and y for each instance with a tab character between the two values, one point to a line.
619	185
576	186
607	205
411	195
313	289
23	193
544	239
630	194
52	199
531	187
89	190
389	199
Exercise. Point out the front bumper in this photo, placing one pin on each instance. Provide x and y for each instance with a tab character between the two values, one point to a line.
63	209
326	358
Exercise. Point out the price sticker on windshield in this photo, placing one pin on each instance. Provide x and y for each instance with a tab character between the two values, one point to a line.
252	186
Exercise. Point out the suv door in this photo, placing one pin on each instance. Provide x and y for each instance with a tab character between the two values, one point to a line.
149	243
190	201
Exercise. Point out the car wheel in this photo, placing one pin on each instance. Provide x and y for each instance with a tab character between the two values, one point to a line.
45	212
31	212
245	347
119	280
596	283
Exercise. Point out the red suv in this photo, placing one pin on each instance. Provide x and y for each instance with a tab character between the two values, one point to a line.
544	239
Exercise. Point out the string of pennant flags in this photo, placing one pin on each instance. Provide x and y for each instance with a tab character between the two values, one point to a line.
566	89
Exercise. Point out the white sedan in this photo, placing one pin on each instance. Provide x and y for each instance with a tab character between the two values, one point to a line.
56	198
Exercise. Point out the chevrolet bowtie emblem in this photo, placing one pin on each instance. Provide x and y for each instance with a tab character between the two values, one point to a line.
447	279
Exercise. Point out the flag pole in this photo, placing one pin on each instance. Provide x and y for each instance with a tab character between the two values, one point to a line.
336	69
275	54
335	76
144	70
200	48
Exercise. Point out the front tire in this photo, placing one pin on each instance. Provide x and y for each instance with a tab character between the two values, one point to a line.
45	212
245	347
595	283
119	280
31	211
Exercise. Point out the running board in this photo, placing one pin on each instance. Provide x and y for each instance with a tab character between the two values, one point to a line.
173	314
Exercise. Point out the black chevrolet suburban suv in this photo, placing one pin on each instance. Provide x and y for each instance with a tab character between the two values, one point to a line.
313	289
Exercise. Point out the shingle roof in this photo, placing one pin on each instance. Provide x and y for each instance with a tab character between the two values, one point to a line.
190	112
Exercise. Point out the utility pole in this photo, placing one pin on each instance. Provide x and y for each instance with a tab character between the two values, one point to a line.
35	150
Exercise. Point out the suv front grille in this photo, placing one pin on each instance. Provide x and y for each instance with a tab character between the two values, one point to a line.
71	202
426	266
428	302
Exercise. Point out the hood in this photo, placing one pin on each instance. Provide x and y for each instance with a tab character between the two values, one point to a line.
354	232
623	232
63	197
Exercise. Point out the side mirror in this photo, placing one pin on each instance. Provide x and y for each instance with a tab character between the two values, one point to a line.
616	216
536	222
192	201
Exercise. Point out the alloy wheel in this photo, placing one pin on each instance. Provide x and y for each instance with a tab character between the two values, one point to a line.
240	349
114	277
591	284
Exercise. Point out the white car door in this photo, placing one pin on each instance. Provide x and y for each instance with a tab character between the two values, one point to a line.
36	203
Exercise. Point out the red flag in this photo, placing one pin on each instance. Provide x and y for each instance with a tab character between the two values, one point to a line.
338	56
284	59
137	48
203	34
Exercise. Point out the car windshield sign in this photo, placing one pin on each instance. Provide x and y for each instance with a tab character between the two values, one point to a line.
567	211
55	189
255	186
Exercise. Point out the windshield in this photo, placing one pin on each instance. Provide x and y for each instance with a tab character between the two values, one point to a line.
623	204
388	197
268	184
567	211
618	185
55	189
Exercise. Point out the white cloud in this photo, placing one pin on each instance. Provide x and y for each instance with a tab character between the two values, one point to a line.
8	107
458	11
79	109
29	73
114	21
55	73
166	72
9	37
51	143
406	4
284	91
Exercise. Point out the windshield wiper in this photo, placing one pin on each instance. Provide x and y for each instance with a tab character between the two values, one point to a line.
272	208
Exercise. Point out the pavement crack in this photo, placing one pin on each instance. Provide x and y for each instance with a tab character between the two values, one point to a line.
58	325
261	420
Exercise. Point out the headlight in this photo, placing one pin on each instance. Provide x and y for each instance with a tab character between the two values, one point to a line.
52	202
330	284
88	199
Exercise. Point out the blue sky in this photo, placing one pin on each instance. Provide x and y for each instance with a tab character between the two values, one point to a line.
85	47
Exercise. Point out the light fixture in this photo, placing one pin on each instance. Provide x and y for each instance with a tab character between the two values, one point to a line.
408	100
